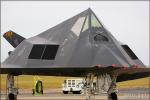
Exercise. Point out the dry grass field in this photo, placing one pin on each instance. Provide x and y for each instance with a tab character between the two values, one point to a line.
138	83
27	82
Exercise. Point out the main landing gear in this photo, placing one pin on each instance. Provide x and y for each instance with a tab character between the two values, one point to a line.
104	83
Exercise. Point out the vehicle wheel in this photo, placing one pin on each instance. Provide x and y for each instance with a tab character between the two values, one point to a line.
74	92
65	92
79	92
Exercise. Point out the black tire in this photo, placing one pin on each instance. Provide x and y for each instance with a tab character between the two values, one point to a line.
114	96
65	92
11	96
79	92
76	92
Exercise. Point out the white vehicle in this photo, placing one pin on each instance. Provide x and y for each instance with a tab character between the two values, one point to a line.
72	85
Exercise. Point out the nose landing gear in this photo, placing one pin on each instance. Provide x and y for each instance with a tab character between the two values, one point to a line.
11	91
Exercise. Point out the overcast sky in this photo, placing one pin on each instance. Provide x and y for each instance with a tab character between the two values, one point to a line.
128	21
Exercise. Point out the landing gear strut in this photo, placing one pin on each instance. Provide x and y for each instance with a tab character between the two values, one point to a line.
11	91
103	82
106	83
112	91
88	86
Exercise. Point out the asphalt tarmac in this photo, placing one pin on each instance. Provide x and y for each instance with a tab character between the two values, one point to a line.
128	94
